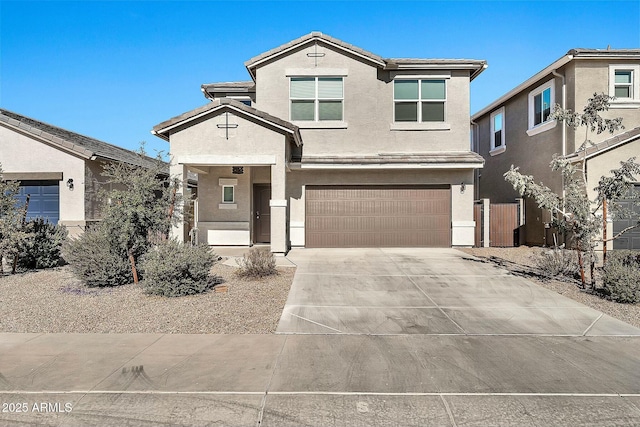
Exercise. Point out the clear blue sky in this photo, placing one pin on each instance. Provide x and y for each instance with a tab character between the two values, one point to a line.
113	70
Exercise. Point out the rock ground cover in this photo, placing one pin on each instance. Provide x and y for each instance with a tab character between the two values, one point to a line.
55	301
524	256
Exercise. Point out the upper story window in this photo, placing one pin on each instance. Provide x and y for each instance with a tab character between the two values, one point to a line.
316	98
541	101
624	85
497	132
419	100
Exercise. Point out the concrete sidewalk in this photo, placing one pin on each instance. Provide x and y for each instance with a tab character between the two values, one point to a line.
380	337
153	379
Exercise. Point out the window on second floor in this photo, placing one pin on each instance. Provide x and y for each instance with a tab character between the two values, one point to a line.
419	100
541	101
316	98
624	85
497	132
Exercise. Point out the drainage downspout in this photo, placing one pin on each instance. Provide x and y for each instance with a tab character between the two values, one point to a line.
475	148
564	131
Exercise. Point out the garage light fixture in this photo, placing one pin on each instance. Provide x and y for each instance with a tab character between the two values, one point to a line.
463	186
70	183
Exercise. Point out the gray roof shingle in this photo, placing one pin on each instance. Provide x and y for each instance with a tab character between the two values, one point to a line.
82	145
612	142
161	128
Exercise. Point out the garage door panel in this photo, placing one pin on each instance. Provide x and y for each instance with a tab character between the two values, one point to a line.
377	216
630	239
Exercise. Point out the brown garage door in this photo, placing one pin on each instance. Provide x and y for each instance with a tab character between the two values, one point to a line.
377	216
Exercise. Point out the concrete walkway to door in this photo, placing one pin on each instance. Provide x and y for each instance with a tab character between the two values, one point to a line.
427	291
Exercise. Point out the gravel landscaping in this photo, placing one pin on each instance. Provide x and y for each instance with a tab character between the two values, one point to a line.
55	301
524	256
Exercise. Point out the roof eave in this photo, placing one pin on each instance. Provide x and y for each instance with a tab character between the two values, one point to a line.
253	63
530	81
163	131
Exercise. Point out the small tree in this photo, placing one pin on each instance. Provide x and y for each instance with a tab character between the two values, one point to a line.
575	213
139	208
137	212
11	218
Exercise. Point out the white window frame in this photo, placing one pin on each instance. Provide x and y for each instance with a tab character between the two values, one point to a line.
233	194
225	183
316	109
419	100
548	124
502	147
634	100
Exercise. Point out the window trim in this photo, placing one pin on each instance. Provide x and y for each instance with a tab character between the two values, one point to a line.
634	101
233	194
503	146
316	100
419	101
548	124
223	183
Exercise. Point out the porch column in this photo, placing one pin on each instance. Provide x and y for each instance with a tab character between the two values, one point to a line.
179	171
278	206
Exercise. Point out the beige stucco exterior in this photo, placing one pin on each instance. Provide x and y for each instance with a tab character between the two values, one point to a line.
36	156
575	79
26	156
211	140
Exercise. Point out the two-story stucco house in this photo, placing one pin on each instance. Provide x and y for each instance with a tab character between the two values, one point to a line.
516	130
61	171
329	145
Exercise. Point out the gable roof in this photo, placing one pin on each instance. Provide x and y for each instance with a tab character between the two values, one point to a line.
580	53
81	145
606	145
228	88
163	129
476	66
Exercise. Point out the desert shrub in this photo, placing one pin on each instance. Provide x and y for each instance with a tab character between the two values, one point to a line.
621	276
258	262
95	263
557	262
42	246
173	269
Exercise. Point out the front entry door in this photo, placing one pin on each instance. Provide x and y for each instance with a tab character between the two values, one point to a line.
261	214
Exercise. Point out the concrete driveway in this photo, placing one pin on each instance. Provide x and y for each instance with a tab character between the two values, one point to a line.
373	337
427	291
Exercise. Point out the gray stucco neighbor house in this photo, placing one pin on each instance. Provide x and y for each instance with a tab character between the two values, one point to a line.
329	145
516	129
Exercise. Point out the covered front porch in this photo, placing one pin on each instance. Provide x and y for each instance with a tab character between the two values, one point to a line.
235	205
241	156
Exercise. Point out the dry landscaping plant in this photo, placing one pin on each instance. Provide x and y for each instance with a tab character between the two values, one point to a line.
621	276
173	269
258	262
557	262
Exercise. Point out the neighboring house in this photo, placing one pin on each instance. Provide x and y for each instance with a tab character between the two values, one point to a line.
59	169
329	145
516	130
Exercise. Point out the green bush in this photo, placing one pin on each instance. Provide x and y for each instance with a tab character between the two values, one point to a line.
42	246
621	276
95	263
173	269
557	262
258	262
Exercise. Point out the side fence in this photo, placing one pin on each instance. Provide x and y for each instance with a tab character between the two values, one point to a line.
497	224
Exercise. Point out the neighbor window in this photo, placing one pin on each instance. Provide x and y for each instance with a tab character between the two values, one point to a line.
624	85
419	100
541	102
497	131
228	194
316	98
